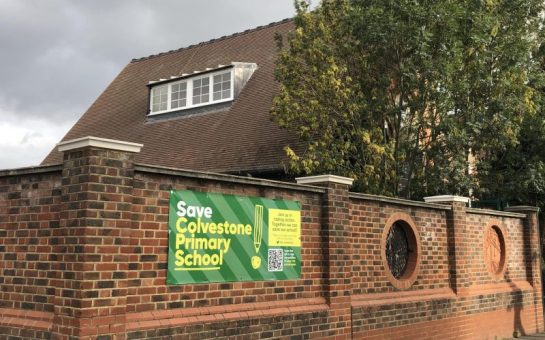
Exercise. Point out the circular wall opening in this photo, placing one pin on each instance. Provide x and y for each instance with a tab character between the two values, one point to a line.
401	250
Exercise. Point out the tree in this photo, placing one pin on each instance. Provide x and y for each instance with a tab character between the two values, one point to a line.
517	173
398	94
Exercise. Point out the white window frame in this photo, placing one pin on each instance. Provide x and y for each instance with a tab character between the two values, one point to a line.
169	96
189	91
151	97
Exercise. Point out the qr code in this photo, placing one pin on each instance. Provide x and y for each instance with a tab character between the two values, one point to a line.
276	260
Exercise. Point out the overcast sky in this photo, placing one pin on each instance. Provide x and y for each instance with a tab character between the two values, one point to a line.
57	56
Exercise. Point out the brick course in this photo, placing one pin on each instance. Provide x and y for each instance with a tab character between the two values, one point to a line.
83	254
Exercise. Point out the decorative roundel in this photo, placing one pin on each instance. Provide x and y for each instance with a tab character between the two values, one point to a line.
494	249
401	250
397	250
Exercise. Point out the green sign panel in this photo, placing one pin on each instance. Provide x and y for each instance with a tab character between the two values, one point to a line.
221	238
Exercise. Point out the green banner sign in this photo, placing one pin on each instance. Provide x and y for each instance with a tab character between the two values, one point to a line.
221	238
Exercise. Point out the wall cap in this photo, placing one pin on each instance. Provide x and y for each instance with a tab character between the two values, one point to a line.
520	208
97	142
497	213
31	170
446	199
400	201
155	169
324	179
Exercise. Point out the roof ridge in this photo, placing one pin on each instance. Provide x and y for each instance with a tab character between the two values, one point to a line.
250	30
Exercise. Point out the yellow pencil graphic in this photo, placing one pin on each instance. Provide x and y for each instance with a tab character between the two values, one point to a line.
258	227
258	233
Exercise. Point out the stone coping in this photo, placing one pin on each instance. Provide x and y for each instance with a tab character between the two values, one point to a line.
399	201
446	199
522	208
324	179
153	169
494	213
31	170
103	143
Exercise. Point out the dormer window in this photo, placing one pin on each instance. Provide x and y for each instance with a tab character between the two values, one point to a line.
212	86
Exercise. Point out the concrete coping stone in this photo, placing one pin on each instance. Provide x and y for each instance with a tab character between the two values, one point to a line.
400	201
97	142
31	170
324	179
226	178
523	208
494	213
446	199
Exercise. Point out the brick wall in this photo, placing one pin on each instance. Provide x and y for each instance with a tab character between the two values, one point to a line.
368	218
83	254
484	307
29	222
514	228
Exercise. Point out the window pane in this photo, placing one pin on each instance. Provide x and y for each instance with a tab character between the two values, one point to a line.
201	89
159	98
178	95
222	86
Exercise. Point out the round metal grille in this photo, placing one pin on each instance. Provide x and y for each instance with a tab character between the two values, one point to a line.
397	250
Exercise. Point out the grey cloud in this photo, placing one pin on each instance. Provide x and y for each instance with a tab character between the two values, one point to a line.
57	56
29	136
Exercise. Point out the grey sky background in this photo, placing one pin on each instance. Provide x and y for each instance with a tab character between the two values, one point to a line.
57	56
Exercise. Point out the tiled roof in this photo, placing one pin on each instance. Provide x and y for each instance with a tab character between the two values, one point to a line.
240	138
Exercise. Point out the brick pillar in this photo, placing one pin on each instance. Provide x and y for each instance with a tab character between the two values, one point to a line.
339	257
93	240
460	278
532	254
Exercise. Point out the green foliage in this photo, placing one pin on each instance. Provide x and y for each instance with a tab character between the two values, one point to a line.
518	172
399	94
